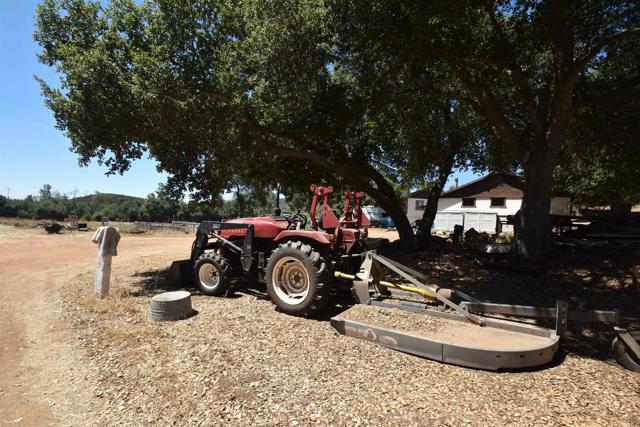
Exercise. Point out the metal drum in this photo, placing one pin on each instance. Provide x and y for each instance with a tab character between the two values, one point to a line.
170	306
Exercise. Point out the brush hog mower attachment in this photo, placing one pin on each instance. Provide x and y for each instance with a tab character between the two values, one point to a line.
458	331
625	346
453	336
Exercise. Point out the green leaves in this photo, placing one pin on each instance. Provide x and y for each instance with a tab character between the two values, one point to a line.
362	93
194	84
599	166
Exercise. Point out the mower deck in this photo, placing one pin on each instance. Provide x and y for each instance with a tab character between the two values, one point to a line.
448	337
449	334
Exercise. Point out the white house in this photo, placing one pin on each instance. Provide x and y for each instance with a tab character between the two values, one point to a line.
479	204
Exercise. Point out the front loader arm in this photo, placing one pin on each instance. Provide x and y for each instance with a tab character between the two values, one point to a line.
210	229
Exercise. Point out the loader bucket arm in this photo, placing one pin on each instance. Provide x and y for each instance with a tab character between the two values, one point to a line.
346	210
355	217
329	219
360	216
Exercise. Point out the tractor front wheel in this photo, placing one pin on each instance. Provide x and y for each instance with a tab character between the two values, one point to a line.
297	279
212	274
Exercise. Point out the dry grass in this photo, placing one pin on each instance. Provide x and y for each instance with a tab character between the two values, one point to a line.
240	362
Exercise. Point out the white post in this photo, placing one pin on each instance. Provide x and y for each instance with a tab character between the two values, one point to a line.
103	276
107	239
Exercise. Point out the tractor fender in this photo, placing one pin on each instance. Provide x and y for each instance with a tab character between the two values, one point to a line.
321	238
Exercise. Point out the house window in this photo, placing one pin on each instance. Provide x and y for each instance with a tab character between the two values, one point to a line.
498	202
421	205
469	202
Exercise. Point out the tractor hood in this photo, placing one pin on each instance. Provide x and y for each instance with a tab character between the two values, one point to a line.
265	226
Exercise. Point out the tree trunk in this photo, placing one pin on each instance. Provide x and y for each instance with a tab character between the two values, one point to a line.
399	217
241	205
444	170
429	214
532	228
384	194
620	207
430	210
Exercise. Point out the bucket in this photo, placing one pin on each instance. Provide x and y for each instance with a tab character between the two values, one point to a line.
170	306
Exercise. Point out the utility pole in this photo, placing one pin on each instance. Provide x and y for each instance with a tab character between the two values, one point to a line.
8	190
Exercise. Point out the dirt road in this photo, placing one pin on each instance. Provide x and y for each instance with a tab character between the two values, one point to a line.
36	349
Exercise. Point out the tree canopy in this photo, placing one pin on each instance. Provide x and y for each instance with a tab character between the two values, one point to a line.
219	92
371	94
600	165
517	64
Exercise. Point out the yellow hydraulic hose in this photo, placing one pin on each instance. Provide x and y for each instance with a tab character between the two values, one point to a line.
422	292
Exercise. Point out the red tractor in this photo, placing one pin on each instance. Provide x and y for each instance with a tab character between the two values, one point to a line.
295	263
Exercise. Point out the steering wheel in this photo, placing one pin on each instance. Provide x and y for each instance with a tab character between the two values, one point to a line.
302	219
295	217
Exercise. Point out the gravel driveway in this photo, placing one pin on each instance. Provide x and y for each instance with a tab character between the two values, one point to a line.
240	362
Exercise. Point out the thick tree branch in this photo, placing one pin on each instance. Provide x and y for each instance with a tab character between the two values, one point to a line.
607	41
345	169
487	105
517	74
562	52
355	174
609	99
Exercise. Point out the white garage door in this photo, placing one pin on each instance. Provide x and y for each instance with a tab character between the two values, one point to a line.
445	221
480	221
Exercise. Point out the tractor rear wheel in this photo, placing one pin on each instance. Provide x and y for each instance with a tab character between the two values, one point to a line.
212	274
298	279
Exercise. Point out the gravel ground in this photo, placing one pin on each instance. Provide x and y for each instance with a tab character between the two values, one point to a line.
240	362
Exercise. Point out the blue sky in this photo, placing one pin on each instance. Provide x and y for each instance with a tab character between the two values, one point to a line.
32	151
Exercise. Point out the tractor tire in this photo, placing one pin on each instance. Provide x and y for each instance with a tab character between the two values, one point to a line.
212	274
298	280
623	355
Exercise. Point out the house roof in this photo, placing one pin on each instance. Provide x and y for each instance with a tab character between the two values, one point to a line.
492	185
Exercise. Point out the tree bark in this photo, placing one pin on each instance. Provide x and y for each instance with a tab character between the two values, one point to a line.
620	207
430	211
361	175
532	229
455	141
241	205
385	195
400	220
435	190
